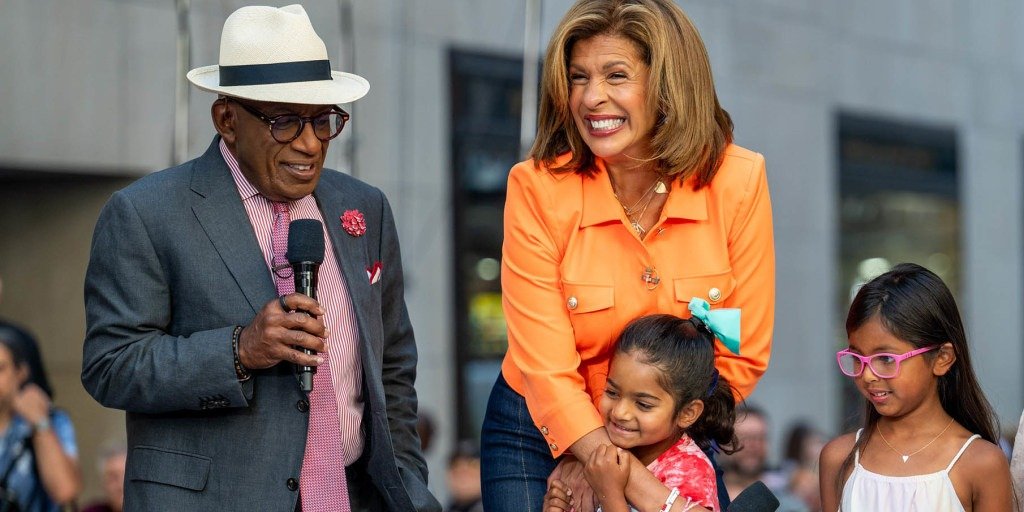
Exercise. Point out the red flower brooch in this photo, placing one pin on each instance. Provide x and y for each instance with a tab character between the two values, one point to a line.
353	222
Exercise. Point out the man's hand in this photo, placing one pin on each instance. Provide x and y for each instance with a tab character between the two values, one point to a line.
570	472
277	335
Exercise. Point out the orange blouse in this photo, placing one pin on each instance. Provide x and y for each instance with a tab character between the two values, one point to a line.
572	277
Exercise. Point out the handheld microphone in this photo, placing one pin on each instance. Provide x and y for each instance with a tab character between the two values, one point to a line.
305	254
755	498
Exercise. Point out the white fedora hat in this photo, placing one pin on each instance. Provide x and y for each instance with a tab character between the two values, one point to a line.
271	54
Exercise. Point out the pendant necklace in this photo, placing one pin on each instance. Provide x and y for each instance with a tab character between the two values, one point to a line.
658	187
919	450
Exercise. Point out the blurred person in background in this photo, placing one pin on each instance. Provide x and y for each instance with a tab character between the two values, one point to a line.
425	428
800	463
18	335
634	200
111	467
464	492
750	463
38	454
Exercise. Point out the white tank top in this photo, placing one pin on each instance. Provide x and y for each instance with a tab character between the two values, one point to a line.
870	492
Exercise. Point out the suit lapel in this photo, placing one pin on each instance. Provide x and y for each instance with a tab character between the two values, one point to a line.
219	210
351	251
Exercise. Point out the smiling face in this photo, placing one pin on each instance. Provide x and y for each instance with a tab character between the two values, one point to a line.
281	172
608	98
917	382
639	414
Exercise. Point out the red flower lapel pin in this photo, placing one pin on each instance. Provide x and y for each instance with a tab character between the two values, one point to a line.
374	271
353	222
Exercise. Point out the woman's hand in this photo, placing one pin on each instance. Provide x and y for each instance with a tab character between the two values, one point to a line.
608	471
32	404
558	497
58	471
569	472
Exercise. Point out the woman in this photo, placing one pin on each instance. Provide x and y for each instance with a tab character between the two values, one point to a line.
38	455
633	202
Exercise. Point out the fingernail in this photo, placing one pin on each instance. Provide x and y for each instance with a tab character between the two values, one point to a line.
319	360
327	333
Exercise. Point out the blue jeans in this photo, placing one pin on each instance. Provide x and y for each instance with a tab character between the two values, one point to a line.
514	458
515	461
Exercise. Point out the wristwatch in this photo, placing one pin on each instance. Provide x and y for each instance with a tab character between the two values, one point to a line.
41	426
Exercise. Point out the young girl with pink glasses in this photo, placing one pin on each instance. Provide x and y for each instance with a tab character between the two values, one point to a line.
919	449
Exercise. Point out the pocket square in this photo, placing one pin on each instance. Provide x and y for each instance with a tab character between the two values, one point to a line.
374	271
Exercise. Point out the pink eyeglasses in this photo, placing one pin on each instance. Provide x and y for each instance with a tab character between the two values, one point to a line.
883	365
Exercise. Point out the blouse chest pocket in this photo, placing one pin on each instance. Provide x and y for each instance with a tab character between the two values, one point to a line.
591	309
587	298
714	288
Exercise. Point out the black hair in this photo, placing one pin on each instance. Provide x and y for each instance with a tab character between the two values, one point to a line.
16	350
796	439
683	351
25	350
914	305
465	449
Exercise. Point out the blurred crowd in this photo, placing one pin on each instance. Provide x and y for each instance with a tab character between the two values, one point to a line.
39	468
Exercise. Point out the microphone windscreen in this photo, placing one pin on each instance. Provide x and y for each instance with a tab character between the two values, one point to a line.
755	498
305	241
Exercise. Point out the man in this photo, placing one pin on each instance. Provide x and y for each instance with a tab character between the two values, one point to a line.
192	327
750	463
111	469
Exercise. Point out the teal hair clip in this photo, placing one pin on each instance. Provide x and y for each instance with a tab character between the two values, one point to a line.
723	323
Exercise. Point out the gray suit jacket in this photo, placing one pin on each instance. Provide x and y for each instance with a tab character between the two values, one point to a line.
174	266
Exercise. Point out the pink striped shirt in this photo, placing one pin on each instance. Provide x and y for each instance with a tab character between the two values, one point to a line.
332	293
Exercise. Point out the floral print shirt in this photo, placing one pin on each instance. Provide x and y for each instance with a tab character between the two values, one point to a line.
685	467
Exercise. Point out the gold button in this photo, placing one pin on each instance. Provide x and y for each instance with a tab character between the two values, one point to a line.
553	446
544	430
572	303
715	294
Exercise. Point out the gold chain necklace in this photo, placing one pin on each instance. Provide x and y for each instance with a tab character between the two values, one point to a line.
919	450
646	195
658	187
635	221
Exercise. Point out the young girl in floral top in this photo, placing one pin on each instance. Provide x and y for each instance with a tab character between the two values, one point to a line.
663	402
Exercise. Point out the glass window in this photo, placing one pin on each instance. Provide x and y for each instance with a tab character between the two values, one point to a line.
485	105
897	203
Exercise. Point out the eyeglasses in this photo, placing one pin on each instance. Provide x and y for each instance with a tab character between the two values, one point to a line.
883	365
287	127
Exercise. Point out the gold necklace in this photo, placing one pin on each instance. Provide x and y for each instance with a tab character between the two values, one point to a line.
658	187
646	195
635	221
919	450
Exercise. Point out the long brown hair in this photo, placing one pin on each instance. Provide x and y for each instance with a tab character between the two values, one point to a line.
914	305
692	130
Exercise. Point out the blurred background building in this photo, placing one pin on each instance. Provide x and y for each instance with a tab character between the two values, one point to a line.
893	131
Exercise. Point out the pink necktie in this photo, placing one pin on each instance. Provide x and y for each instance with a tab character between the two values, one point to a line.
322	482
